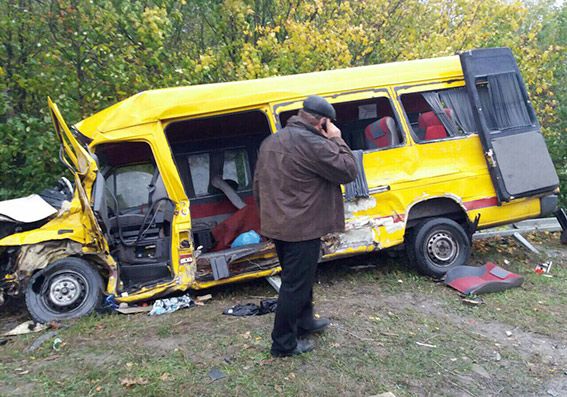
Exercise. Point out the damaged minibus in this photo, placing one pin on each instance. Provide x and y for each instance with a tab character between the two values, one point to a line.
163	180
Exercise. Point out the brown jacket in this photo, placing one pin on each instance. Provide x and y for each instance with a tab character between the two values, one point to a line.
297	182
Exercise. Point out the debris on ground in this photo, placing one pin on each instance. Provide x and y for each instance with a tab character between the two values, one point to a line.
40	341
170	305
200	300
26	328
134	309
387	394
3	341
472	300
216	374
252	309
543	268
129	382
57	344
482	279
425	344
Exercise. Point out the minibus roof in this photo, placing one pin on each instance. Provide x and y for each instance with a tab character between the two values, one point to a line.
171	103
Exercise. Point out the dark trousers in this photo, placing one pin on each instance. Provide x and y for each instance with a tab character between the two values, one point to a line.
295	302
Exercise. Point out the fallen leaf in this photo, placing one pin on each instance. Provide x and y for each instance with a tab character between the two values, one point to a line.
129	382
165	377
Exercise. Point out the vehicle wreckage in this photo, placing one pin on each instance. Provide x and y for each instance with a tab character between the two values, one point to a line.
163	180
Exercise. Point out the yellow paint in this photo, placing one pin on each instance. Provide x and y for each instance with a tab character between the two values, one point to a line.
454	168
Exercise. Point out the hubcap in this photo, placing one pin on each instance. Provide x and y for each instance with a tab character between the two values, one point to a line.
65	291
442	248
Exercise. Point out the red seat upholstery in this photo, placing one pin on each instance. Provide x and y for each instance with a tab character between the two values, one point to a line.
433	127
381	133
435	132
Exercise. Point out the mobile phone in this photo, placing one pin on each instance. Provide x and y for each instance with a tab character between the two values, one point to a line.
324	126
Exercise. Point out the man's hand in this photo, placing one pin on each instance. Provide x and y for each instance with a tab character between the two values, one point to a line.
332	130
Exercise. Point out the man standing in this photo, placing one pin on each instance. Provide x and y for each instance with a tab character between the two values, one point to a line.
297	188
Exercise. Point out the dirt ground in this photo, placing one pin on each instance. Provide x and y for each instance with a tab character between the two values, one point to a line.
392	330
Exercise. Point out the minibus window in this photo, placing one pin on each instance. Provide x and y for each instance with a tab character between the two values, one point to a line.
129	185
439	114
369	124
504	104
235	170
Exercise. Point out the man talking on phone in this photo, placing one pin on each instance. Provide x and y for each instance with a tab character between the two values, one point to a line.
297	188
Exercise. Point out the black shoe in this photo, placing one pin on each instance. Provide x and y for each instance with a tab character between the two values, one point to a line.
316	326
303	346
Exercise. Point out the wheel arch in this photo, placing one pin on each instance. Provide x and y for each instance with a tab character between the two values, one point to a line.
447	206
35	257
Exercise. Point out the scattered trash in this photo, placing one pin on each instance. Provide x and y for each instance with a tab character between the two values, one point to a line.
3	341
170	305
110	303
26	328
252	309
204	298
57	343
129	382
247	238
425	344
472	300
509	334
386	394
200	300
134	309
40	341
497	356
543	268
216	374
482	279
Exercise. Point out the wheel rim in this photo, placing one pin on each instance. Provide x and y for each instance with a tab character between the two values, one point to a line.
64	291
442	248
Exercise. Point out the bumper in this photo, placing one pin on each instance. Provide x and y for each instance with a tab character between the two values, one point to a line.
548	204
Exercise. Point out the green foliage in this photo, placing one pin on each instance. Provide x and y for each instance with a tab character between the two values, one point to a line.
88	55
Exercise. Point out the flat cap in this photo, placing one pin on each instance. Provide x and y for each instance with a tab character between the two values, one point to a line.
319	105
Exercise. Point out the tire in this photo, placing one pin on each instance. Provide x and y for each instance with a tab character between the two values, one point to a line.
67	288
437	245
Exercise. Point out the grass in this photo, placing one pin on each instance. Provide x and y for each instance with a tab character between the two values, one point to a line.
392	330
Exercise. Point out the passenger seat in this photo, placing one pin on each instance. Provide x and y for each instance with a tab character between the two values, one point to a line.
382	133
433	127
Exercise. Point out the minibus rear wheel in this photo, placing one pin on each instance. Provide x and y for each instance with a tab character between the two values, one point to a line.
67	288
437	245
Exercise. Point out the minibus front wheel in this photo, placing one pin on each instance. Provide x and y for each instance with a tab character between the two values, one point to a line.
67	288
437	245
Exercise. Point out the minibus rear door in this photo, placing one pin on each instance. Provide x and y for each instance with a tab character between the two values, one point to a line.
515	149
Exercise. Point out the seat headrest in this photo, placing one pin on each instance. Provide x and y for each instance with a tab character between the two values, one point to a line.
429	119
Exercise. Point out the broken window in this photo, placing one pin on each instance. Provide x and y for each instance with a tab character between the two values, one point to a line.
215	157
129	184
439	114
235	170
368	124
